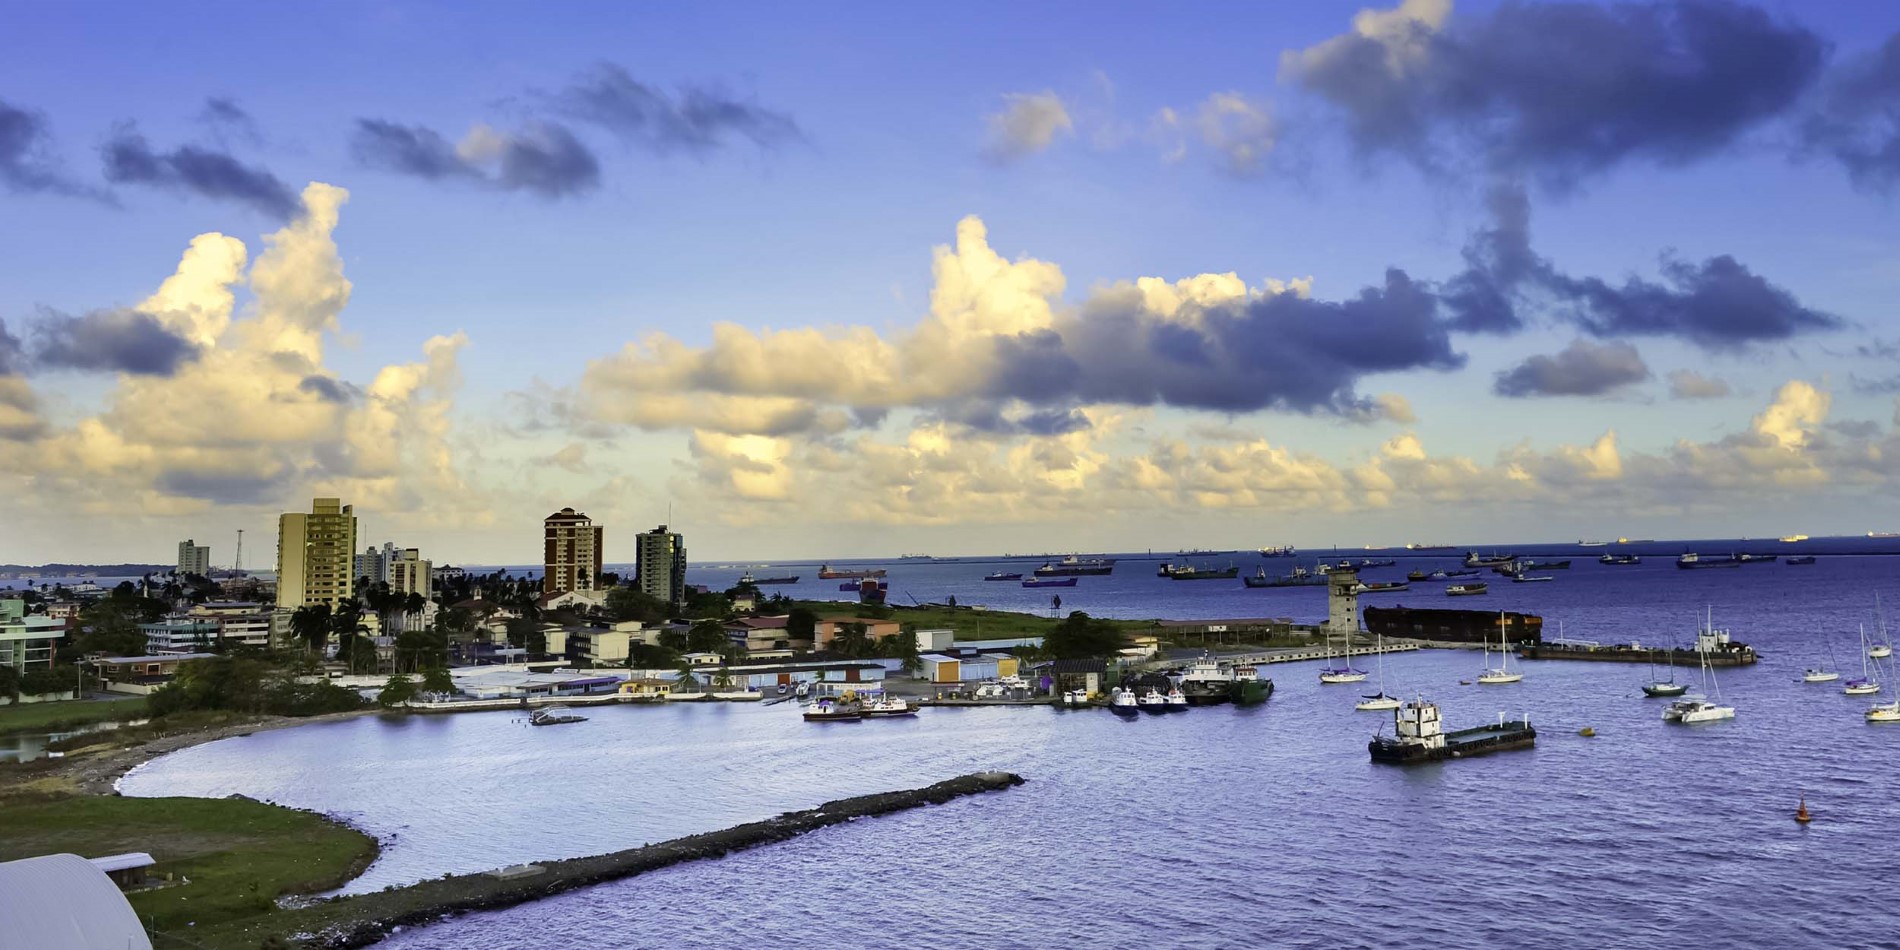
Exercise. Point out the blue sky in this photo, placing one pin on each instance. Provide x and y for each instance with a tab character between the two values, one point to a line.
897	113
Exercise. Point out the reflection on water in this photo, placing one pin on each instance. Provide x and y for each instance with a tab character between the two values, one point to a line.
25	747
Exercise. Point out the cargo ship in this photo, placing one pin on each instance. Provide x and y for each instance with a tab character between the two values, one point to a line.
1073	566
1188	572
1457	626
1711	643
1298	577
747	578
1421	737
1474	559
1693	561
825	573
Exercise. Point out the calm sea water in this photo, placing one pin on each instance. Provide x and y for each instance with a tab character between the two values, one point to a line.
1220	827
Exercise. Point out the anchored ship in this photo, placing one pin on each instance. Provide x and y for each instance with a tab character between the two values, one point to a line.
1711	646
1458	626
1073	566
825	573
1421	737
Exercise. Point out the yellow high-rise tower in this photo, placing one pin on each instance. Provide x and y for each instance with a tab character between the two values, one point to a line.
316	555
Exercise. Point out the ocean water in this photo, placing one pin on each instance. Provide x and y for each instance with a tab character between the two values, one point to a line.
1220	827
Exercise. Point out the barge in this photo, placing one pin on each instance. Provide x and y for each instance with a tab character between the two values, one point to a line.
1457	626
1420	737
1712	646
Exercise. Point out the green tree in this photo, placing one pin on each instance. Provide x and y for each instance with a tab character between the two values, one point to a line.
436	679
1080	636
628	603
673	640
10	682
399	690
801	623
853	641
310	625
708	636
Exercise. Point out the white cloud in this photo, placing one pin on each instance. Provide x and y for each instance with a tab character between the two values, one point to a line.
1240	129
1401	34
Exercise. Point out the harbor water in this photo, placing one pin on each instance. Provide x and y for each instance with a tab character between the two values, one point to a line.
1218	827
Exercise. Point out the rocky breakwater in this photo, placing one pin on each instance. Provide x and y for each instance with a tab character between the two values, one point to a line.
362	920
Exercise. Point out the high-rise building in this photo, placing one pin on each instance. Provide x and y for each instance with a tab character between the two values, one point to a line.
374	563
660	568
409	573
194	558
315	555
572	552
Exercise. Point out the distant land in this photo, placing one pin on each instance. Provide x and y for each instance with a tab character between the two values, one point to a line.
103	570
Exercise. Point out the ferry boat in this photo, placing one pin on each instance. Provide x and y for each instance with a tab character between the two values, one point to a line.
1002	576
747	578
1298	577
1050	581
1620	560
1420	736
1074	566
825	573
1282	551
1188	572
888	707
1465	590
1456	626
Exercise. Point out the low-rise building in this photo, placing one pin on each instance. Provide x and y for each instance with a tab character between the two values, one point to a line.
180	635
817	668
28	641
760	634
967	666
141	674
829	628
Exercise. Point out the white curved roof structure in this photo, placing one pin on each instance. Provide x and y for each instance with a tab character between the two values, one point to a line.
63	902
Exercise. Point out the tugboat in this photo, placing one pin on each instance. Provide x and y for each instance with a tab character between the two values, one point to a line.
1421	737
834	710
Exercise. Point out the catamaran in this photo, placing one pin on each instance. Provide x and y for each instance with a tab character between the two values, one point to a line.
1502	673
1693	709
1381	699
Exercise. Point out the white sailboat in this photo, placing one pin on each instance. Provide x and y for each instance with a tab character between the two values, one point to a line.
1502	673
1343	673
1819	673
1381	699
1883	649
1694	709
1869	682
1887	712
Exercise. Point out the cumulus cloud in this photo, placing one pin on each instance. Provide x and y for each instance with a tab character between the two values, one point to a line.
1718	303
125	341
1241	130
1689	384
696	119
998	335
1581	369
1858	119
1029	122
196	170
27	164
1560	90
543	158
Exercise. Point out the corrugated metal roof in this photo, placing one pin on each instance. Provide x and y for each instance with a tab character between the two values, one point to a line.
122	862
64	902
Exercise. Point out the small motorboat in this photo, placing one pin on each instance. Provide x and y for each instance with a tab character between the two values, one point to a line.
1177	701
832	710
1122	702
1152	702
553	716
1696	709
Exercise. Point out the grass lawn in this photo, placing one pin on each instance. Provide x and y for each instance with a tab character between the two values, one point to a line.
237	854
51	717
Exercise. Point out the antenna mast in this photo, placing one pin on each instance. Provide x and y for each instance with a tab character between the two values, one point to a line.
237	566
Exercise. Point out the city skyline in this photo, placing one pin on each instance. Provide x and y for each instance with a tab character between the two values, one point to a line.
1343	274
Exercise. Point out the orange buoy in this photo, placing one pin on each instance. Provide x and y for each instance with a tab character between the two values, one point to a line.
1801	814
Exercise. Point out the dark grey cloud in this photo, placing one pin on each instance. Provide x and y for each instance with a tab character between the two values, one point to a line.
988	415
1858	119
205	172
543	158
122	341
1689	384
1581	369
233	488
228	120
12	353
696	119
1283	351
1718	303
329	388
1562	90
27	164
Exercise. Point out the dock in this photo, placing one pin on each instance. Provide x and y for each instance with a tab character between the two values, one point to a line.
1291	655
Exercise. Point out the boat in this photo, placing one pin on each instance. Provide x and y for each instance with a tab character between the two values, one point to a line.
1467	573
828	709
1800	559
1790	539
1466	590
1419	736
1431	547
1712	647
1692	561
1050	581
1122	702
1076	566
1887	712
1380	699
1210	681
1867	683
747	578
1282	551
1380	587
1188	572
1502	673
1746	558
1880	651
915	557
888	707
856	586
1620	560
1344	673
1002	576
1528	579
1819	675
1377	562
1592	544
1693	709
1656	687
553	716
1298	577
825	573
1474	559
1076	697
1450	625
1416	576
1177	702
1153	701
1883	534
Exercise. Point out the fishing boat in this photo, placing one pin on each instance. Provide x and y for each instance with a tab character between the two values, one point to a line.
1692	561
553	716
825	573
1380	699
1077	566
1867	683
1122	702
1420	736
1799	560
1050	581
1693	709
747	578
828	709
1620	560
1298	577
1002	576
1502	673
1343	673
1466	590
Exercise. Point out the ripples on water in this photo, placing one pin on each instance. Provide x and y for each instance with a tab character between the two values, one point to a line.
1221	827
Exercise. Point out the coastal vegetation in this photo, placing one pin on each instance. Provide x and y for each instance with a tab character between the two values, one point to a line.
57	717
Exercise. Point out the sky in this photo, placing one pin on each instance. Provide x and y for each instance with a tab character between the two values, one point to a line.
868	279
